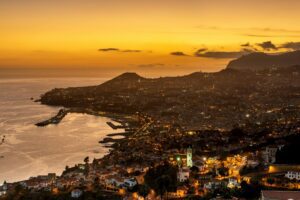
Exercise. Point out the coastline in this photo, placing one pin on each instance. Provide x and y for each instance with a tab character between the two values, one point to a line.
109	141
120	119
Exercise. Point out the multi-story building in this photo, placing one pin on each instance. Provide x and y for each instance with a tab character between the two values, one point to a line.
269	155
183	174
293	175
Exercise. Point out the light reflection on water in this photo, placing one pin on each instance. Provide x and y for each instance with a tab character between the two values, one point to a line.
29	150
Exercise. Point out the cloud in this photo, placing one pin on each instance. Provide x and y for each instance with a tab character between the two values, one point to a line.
221	54
258	35
131	51
151	65
199	51
262	29
120	50
109	49
246	45
268	45
291	45
178	53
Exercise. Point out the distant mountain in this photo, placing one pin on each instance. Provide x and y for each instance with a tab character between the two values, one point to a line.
198	100
260	61
128	76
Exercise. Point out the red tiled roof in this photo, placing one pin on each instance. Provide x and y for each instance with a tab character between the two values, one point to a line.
281	195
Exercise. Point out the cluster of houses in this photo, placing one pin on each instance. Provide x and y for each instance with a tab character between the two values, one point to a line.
119	177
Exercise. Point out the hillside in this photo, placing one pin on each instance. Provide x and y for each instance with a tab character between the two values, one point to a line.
260	61
198	100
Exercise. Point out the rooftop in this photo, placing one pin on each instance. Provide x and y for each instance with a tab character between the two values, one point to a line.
281	195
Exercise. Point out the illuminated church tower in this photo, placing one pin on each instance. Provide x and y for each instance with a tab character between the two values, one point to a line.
189	157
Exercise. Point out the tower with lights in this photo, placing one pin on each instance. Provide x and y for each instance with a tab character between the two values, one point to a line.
189	157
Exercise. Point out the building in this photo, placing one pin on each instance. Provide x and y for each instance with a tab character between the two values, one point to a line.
279	195
181	191
200	165
189	157
76	193
233	183
178	159
130	182
293	175
269	155
214	185
3	190
115	181
182	159
183	174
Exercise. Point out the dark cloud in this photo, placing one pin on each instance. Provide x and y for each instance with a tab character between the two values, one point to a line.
221	54
199	51
266	29
131	51
268	45
151	65
246	45
178	53
120	50
258	35
291	45
109	49
249	50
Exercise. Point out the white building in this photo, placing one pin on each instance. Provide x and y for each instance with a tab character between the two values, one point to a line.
115	181
183	174
130	183
252	163
213	185
233	183
189	157
269	155
76	193
293	175
3	189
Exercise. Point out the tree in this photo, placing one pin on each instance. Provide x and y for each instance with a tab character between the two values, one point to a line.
86	160
223	171
194	169
86	169
270	181
289	153
250	191
162	178
143	190
236	134
96	184
163	185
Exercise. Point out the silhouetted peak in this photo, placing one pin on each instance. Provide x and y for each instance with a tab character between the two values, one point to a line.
129	76
260	61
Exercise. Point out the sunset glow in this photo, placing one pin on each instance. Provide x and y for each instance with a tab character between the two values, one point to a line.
69	33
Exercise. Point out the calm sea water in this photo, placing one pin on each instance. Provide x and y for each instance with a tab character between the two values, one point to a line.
29	150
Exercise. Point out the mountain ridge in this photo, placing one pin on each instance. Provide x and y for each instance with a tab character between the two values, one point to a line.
260	61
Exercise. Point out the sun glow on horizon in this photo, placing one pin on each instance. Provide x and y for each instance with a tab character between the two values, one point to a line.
141	35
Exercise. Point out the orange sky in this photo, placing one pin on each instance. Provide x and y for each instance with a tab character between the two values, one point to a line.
40	34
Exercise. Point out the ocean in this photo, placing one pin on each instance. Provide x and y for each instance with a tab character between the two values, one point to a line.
29	150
